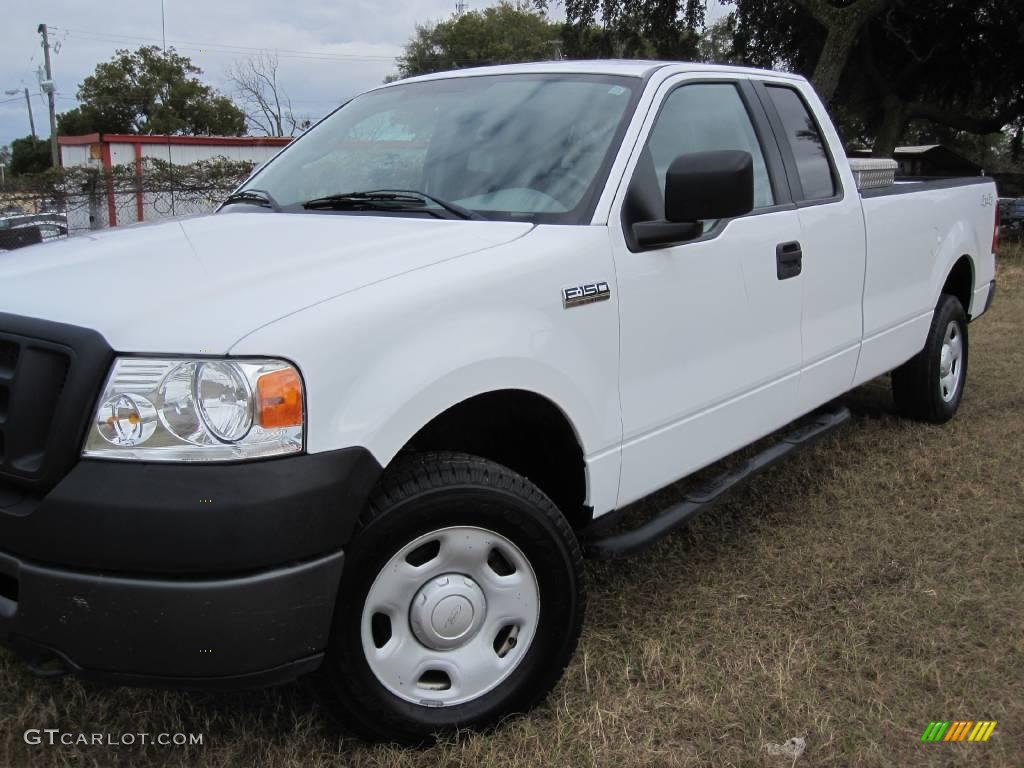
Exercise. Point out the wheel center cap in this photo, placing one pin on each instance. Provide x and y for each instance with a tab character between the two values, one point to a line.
447	611
452	616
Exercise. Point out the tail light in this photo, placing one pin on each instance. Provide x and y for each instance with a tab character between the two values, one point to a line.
995	232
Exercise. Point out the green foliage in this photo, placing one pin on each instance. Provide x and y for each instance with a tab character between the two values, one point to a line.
29	155
79	191
150	91
917	69
214	177
504	33
664	29
716	44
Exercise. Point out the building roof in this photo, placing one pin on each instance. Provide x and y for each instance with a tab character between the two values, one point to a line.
153	138
916	149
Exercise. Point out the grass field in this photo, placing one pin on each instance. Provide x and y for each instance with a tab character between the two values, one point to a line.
848	597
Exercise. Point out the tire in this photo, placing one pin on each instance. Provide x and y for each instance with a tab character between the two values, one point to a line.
930	386
426	528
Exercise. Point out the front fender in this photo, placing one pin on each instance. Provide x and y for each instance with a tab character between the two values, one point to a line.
381	362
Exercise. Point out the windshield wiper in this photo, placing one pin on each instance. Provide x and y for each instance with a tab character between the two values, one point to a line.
258	197
386	200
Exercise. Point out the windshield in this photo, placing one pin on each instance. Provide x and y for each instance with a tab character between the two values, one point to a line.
525	147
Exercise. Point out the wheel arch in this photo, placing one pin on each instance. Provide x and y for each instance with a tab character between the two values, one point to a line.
521	429
959	281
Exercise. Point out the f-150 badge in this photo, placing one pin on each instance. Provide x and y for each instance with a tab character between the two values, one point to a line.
587	293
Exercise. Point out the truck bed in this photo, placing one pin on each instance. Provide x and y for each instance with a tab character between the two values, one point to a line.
916	231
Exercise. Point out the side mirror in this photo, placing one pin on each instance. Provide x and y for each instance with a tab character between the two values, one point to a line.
709	185
700	186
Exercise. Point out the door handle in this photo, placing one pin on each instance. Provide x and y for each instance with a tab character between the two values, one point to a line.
789	259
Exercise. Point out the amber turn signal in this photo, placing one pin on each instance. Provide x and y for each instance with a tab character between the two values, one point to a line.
280	399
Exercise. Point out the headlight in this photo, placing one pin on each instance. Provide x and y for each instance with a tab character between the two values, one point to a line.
197	410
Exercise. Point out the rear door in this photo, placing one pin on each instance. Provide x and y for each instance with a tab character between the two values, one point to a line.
831	240
709	328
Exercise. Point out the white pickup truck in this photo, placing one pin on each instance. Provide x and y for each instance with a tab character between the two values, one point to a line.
368	417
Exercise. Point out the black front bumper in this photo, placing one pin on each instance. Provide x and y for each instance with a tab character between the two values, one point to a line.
181	574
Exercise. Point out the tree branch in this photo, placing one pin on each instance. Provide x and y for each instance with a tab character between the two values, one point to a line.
843	26
828	15
961	121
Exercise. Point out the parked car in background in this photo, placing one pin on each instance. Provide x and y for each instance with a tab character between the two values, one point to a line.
1011	212
20	229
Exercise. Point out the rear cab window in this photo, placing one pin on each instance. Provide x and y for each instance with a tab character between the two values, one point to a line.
802	137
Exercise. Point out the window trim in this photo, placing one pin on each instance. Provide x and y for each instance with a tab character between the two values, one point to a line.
774	161
760	88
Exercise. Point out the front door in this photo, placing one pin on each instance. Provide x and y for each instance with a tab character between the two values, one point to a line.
709	328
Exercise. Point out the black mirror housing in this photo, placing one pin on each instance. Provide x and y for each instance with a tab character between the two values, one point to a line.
709	185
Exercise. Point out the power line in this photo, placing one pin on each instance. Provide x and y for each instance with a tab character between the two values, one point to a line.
66	97
230	48
237	50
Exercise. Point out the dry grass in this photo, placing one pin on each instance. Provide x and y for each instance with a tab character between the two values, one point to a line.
849	596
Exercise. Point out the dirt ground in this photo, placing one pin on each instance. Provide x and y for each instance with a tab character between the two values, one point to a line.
847	597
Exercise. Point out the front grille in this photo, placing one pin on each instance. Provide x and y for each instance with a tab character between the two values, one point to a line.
50	374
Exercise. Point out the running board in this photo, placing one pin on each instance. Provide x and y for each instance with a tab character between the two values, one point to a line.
599	544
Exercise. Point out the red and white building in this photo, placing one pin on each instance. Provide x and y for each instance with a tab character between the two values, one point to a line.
104	150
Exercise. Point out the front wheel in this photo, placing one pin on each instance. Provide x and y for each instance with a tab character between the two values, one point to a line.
461	603
930	386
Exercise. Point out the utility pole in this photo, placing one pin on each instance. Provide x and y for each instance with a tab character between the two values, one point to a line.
460	7
49	88
31	120
28	103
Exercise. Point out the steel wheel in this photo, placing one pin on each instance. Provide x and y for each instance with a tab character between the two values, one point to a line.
461	603
951	361
450	616
931	384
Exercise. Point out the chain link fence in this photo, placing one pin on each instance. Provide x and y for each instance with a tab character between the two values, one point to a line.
68	201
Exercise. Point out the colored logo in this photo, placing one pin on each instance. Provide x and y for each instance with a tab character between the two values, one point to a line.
959	730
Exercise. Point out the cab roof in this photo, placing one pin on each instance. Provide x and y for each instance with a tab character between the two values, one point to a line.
623	67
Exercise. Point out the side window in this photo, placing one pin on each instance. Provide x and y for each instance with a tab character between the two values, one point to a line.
806	142
704	117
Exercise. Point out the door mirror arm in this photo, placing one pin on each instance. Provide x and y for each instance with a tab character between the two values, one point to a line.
651	234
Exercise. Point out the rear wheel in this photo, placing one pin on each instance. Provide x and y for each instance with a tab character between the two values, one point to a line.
930	386
461	603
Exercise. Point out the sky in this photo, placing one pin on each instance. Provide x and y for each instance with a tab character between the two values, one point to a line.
328	51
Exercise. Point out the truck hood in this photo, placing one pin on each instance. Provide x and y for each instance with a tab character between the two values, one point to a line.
202	283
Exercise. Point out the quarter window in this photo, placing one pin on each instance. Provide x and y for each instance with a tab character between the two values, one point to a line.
806	143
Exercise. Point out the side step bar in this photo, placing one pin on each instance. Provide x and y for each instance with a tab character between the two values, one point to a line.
601	545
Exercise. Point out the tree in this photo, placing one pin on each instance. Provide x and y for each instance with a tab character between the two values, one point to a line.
505	33
843	25
29	155
268	109
883	64
957	66
716	43
151	91
667	29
